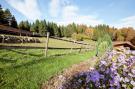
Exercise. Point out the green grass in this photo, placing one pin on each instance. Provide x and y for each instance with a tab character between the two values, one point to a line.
30	70
52	43
9	57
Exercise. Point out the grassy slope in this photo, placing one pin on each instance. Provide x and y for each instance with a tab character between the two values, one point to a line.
21	56
52	43
30	74
28	68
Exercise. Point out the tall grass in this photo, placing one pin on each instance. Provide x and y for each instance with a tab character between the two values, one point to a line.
104	44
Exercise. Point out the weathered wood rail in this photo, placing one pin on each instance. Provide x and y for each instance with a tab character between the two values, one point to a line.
30	47
67	40
125	44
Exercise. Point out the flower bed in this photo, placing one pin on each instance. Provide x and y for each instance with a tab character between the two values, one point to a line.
115	71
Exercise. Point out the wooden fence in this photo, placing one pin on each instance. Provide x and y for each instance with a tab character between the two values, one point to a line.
83	46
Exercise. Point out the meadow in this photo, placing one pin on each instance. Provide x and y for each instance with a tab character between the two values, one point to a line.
53	43
21	71
29	68
80	53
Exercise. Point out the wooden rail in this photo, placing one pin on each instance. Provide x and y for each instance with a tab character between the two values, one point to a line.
73	41
125	44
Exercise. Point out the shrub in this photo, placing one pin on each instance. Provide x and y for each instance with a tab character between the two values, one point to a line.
114	71
103	44
120	38
133	41
79	37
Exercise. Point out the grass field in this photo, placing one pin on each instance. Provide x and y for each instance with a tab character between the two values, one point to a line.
20	71
52	43
9	57
28	68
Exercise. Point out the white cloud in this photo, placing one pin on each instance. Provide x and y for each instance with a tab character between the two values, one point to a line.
87	20
28	8
69	13
126	22
54	6
129	20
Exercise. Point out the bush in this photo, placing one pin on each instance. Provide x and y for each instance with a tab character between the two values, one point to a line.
120	38
103	44
133	41
79	37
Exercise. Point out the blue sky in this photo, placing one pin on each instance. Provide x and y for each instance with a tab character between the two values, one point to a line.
118	13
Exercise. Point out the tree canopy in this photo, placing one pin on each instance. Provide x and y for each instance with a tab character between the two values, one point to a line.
6	18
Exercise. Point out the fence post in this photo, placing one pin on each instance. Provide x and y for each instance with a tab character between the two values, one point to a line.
3	38
74	44
80	49
87	46
47	41
71	49
20	33
35	39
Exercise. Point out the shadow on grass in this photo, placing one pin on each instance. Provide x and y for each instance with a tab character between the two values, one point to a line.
7	60
26	53
31	47
40	60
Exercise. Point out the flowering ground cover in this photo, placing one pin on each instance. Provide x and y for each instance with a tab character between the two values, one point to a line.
116	70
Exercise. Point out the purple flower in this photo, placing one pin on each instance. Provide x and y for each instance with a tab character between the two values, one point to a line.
111	88
133	71
126	80
107	71
128	52
133	83
133	52
93	76
103	62
121	58
113	68
111	82
102	76
130	61
115	74
79	80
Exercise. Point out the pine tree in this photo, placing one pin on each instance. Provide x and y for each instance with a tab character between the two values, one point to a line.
56	30
13	22
21	25
50	28
33	28
45	27
1	15
37	26
41	28
26	26
7	17
61	29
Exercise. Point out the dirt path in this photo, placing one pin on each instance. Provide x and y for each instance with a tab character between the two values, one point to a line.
58	80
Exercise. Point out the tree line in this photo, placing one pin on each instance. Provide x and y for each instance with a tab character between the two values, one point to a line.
7	18
75	31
